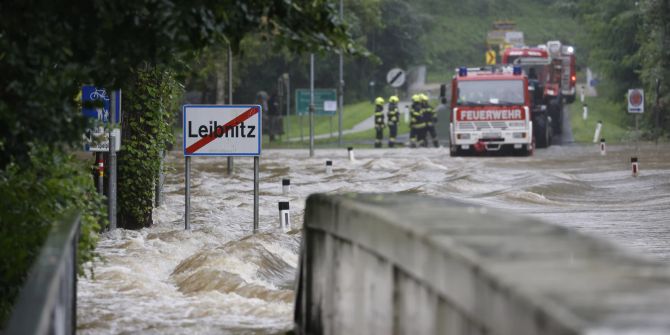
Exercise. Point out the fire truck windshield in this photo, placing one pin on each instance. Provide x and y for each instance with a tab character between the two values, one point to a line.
490	92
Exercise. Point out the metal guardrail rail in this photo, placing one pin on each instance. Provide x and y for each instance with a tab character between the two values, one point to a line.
47	303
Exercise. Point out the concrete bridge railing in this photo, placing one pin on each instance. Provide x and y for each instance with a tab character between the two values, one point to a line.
402	264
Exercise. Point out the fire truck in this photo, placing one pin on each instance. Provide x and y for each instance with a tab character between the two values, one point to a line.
552	66
490	111
566	53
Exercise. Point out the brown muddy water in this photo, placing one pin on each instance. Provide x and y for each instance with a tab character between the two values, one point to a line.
219	279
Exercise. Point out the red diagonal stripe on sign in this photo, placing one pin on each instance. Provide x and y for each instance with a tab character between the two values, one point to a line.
231	124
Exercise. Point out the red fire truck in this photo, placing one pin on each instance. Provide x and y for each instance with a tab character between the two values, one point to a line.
546	73
566	54
490	111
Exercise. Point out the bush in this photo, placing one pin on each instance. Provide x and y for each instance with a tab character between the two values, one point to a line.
34	197
149	111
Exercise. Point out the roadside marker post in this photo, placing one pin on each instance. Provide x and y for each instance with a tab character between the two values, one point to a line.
599	127
603	149
221	130
634	166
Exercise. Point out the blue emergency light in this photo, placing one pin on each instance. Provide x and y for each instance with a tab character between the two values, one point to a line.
462	71
516	70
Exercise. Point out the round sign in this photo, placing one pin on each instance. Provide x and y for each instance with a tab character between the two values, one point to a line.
395	77
635	98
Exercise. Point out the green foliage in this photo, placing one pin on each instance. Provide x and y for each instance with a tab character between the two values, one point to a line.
150	109
48	49
629	46
34	196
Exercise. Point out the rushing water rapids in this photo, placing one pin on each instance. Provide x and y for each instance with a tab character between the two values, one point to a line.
218	278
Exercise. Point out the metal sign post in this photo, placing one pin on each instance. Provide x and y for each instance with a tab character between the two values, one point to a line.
187	194
636	106
229	163
311	105
256	173
221	130
112	181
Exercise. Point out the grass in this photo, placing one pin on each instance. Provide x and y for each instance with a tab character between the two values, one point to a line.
613	116
353	114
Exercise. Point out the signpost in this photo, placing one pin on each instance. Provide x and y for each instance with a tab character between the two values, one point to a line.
323	101
221	130
396	77
636	106
96	139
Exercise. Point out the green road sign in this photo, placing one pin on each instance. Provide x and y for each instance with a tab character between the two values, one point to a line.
325	101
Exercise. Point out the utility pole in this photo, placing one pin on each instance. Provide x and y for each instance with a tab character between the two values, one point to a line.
340	86
311	105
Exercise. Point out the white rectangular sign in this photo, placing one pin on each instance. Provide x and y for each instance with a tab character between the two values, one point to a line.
98	141
222	130
636	101
330	106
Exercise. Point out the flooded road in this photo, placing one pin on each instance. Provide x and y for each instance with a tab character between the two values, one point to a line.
218	278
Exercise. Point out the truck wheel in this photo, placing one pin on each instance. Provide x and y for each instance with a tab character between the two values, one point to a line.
556	113
454	151
542	132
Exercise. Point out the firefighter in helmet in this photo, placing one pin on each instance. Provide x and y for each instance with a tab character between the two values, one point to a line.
379	121
393	116
430	118
416	122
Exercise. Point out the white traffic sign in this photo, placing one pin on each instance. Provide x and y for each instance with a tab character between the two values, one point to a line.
222	130
98	140
636	101
396	77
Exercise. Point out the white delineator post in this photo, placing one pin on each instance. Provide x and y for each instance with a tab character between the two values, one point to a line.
634	166
603	149
284	217
329	167
351	153
285	186
585	114
596	136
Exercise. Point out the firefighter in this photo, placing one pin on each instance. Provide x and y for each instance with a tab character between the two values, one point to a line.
392	116
430	118
379	121
417	126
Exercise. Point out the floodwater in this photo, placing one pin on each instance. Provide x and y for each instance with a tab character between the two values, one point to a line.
218	278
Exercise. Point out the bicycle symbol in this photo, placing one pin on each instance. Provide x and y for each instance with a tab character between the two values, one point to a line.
99	94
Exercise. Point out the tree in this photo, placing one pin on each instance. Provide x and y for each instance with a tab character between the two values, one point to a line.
49	48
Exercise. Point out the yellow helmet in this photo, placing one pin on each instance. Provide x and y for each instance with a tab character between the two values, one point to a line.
379	101
416	98
424	97
393	99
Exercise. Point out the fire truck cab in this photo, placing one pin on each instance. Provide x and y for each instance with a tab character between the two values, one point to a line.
490	111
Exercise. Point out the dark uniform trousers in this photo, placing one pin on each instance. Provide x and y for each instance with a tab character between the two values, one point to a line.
392	116
418	127
430	118
379	125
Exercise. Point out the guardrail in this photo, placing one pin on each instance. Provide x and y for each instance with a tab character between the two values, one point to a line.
47	303
404	264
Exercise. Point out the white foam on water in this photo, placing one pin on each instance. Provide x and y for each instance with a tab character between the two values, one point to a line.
217	279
